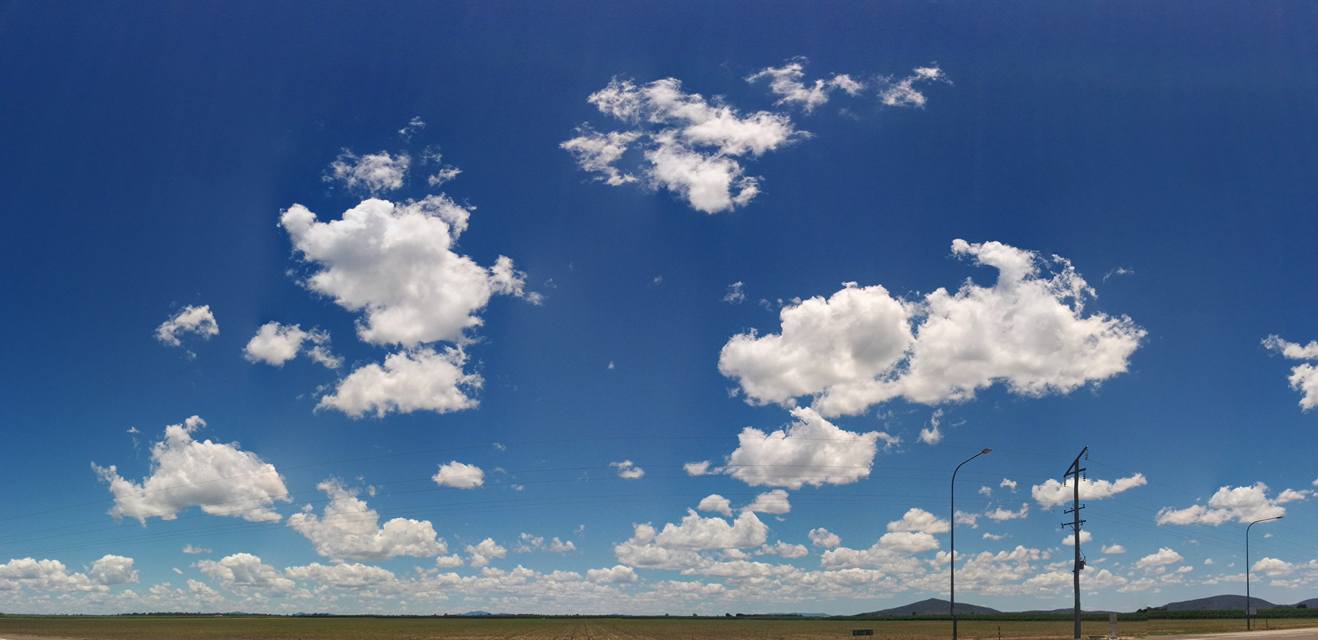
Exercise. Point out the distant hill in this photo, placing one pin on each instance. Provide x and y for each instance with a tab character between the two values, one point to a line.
1067	610
930	607
1311	603
1218	603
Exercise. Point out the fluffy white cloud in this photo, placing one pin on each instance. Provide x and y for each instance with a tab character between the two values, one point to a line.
275	344
194	550
787	82
459	475
912	534
627	470
1272	567
919	520
1008	484
480	554
373	172
528	543
1242	504
715	503
694	147
245	572
1292	350
350	530
1053	493
702	468
197	320
1164	556
1293	495
932	434
893	551
1304	376
1085	538
810	451
821	537
343	575
783	550
221	479
856	334
1116	549
862	346
111	569
396	264
686	144
1000	514
599	153
771	502
614	574
418	380
44	575
903	92
695	532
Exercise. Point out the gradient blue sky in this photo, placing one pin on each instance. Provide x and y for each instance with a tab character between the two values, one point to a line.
149	149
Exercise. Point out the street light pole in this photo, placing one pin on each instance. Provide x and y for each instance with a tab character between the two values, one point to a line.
1249	623
952	542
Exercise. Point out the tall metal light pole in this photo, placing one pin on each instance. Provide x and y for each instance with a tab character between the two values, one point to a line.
952	523
1249	623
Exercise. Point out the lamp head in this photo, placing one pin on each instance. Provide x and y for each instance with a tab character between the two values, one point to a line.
985	452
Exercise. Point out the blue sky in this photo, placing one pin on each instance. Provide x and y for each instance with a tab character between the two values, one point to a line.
155	155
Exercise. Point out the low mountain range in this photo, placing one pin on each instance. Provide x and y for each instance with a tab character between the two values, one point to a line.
939	607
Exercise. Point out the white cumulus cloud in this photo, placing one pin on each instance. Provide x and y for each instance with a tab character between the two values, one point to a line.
1164	556
1304	376
821	537
1000	514
684	143
863	346
111	569
1053	493
810	451
480	554
196	320
771	502
221	479
373	172
418	380
921	521
350	530
275	343
244	572
396	264
715	503
459	475
627	470
1241	504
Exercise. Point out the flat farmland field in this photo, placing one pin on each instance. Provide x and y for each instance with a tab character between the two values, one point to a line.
260	628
